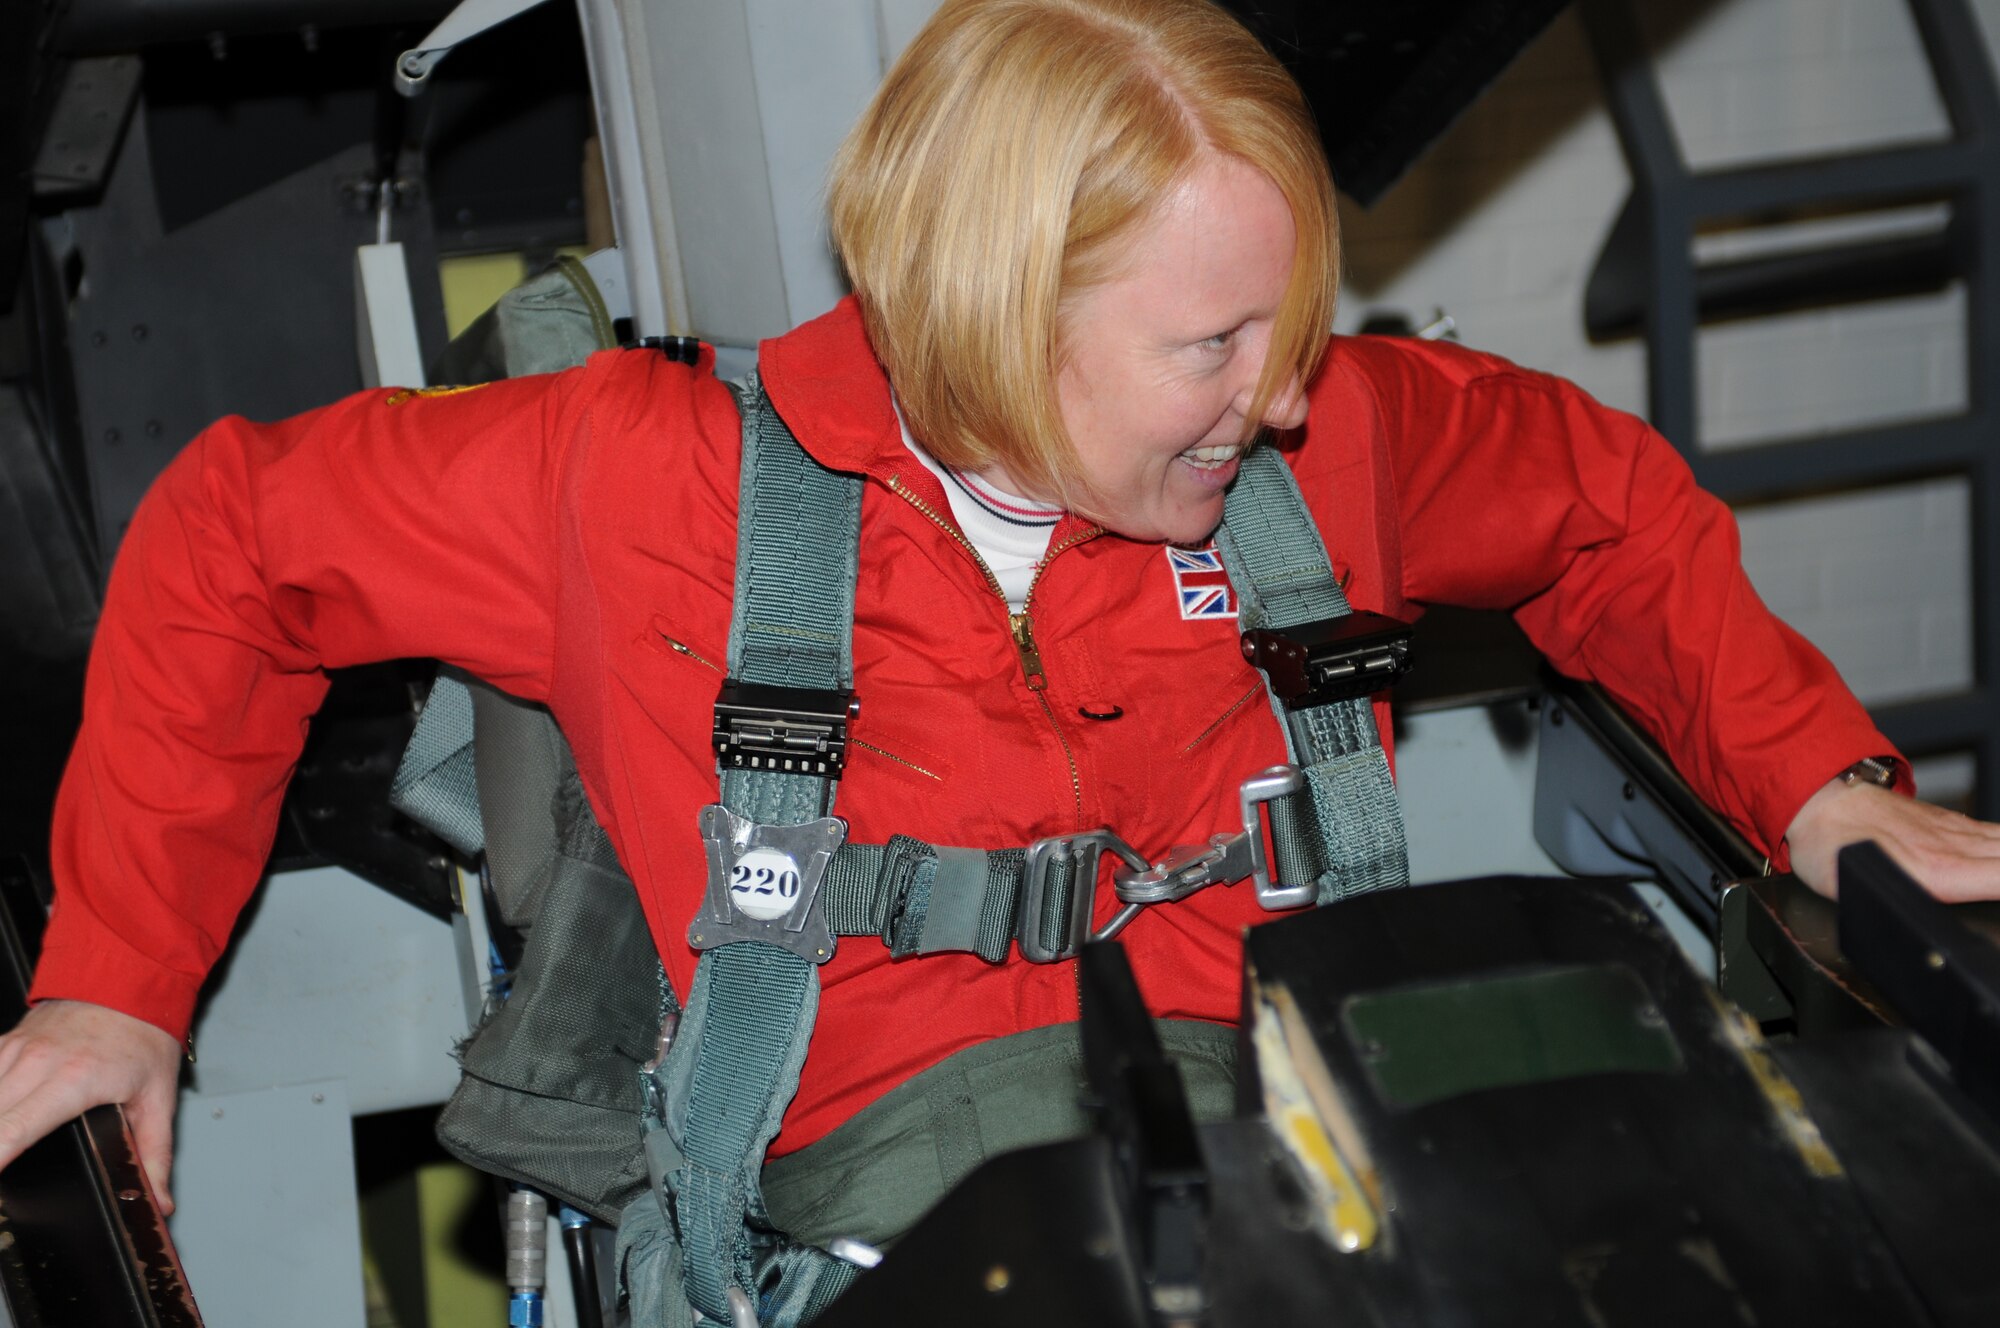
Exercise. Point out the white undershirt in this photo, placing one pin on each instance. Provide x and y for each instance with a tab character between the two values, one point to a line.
1010	532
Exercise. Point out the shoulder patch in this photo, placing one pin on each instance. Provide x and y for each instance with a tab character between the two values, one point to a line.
400	395
1200	583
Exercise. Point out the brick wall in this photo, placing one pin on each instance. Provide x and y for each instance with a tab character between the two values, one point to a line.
1500	224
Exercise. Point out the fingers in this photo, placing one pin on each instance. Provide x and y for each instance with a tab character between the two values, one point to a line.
1953	856
68	1056
40	1091
151	1116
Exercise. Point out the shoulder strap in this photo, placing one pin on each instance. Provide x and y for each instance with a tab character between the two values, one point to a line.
1348	838
734	1063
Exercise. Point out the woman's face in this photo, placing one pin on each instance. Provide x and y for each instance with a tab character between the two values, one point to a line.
1165	356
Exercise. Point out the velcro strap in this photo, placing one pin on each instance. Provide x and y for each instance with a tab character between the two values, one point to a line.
923	898
1344	831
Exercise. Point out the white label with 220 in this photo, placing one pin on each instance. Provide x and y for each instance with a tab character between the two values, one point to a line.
764	884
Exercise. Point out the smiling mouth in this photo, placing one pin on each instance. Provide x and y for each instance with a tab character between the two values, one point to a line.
1212	458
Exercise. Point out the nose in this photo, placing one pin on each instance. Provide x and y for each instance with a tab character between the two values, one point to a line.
1285	410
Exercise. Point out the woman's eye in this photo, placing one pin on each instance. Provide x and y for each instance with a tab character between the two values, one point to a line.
1220	341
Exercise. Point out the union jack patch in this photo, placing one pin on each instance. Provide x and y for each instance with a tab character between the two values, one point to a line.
1201	584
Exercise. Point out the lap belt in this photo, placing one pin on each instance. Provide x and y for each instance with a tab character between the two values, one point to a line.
924	898
783	883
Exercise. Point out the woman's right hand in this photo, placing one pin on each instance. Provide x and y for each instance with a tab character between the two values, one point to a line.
66	1057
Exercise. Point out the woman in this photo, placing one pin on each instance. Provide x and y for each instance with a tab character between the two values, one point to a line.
1093	249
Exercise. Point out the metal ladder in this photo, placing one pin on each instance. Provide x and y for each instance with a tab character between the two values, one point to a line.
1647	277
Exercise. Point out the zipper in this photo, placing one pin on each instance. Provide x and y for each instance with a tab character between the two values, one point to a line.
891	756
1023	629
1223	718
992	582
681	649
1020	626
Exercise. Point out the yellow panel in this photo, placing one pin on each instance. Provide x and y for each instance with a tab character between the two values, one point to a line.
459	1293
472	282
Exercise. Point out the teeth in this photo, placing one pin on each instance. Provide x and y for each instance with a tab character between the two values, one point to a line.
1212	457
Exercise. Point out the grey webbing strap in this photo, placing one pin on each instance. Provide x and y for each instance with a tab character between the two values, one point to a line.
921	898
436	784
798	552
753	1005
1345	830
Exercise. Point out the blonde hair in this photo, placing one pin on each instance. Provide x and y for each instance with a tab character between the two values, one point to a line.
1010	149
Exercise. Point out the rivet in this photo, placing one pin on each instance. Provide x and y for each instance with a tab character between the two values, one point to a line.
129	1196
1628	792
318	1098
216	1114
998	1279
1934	961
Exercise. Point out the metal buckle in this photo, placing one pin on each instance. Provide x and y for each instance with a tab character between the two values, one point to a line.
1223	860
786	730
802	927
1191	867
1280	781
1086	849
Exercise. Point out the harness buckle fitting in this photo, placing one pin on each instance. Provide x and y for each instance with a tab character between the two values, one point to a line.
1080	853
763	883
786	730
1279	781
1332	659
1223	860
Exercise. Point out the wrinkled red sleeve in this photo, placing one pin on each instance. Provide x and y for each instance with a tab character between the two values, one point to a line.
1519	491
381	527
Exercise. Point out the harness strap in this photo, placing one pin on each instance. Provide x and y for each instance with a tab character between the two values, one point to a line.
1347	837
922	898
734	1066
435	783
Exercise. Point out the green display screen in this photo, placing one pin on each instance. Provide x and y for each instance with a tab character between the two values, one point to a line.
1422	1044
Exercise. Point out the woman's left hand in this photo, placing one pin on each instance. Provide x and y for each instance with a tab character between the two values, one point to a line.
1954	857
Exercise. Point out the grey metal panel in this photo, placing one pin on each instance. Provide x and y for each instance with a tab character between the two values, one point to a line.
48	583
266	1223
331	977
896	22
629	128
126	25
752	97
89	118
815	68
1466	779
719	181
248	310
